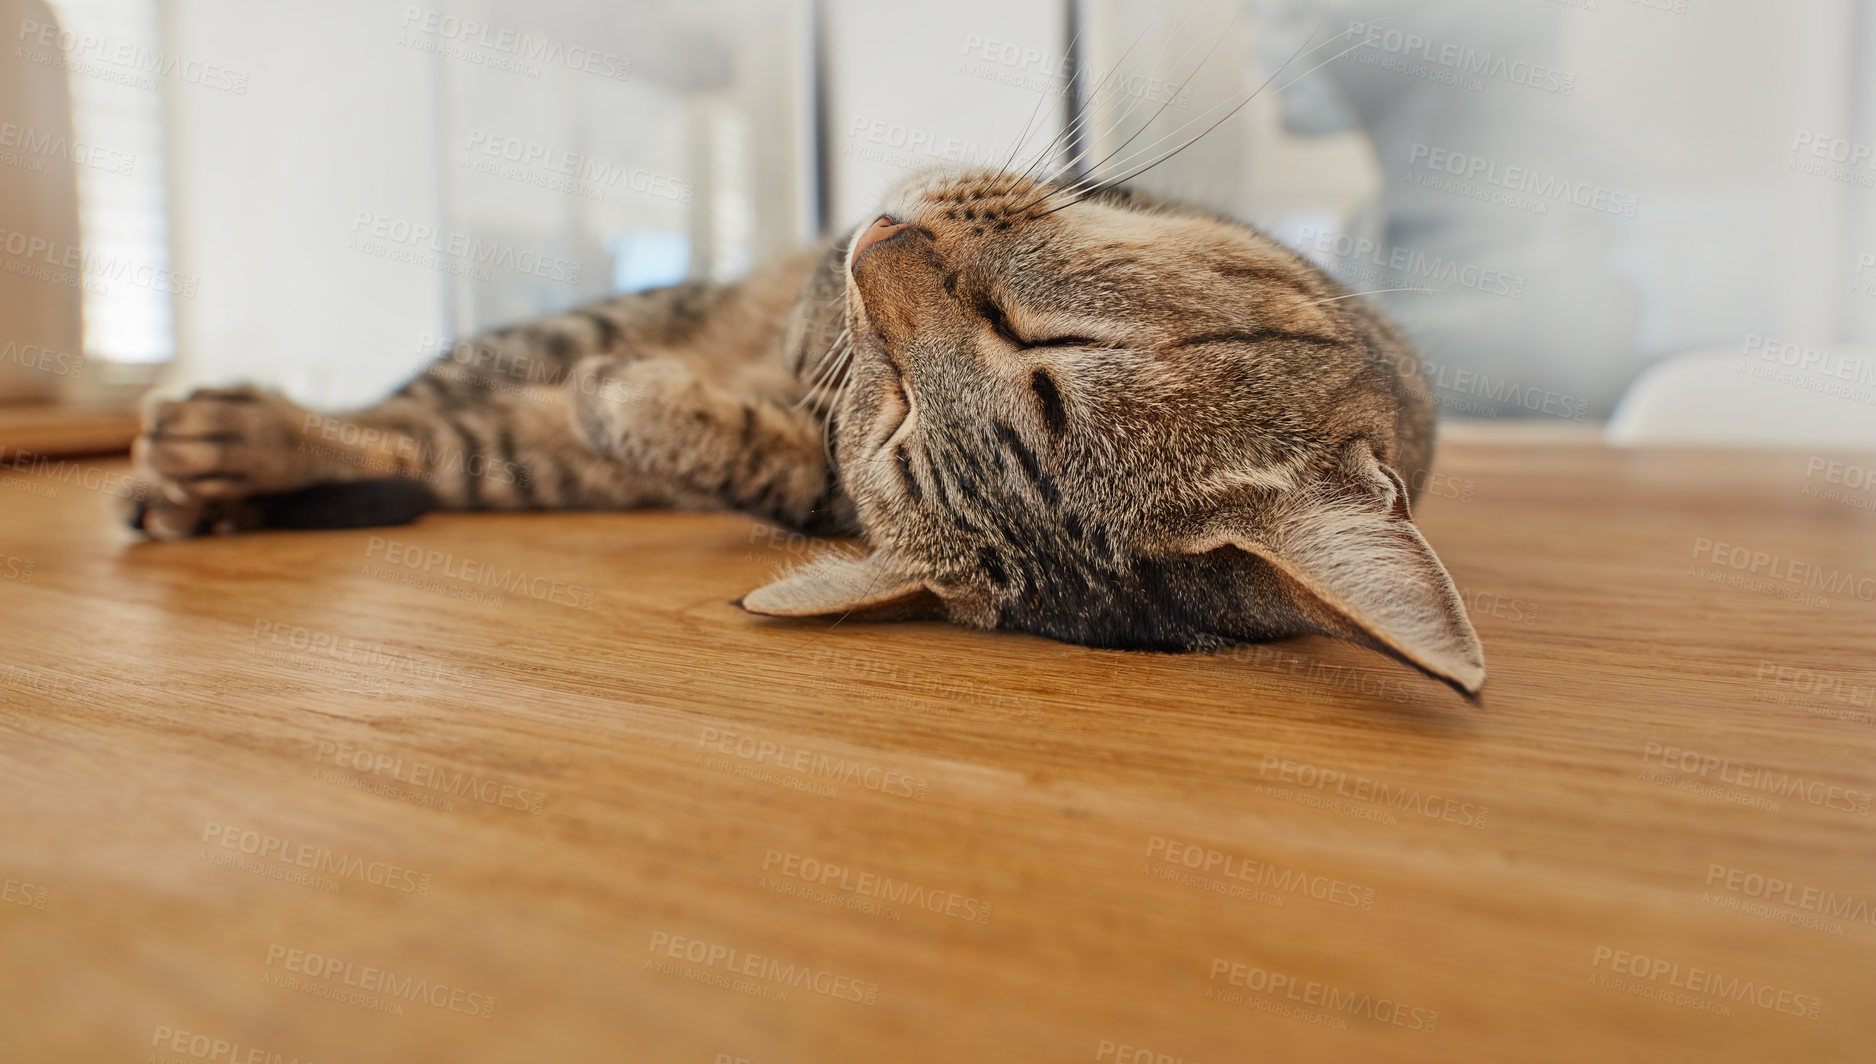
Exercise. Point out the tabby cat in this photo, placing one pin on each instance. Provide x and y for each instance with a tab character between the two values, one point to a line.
1086	415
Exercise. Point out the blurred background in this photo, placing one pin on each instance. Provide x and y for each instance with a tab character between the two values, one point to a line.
1659	214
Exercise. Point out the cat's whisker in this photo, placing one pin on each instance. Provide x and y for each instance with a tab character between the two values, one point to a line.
1240	106
1217	37
1090	110
1370	292
1087	107
1093	181
1209	109
1207	130
1023	137
826	368
1090	179
829	380
822	368
825	415
1070	122
1123	178
843	369
838	403
813	394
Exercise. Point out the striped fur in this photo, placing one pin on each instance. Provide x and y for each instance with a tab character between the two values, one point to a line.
1038	417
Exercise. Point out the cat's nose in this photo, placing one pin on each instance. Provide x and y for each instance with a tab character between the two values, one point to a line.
884	228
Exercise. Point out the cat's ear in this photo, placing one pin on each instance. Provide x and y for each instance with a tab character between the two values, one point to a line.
865	589
1350	561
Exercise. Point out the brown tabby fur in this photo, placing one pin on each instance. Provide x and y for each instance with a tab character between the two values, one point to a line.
1114	422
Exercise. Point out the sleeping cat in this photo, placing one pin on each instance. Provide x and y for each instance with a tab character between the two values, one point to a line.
1081	414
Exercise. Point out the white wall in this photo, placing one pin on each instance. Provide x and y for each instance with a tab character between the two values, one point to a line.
611	122
265	188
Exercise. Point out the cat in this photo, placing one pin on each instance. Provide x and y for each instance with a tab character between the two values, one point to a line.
1081	413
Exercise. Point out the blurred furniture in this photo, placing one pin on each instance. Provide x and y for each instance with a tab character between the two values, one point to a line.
41	310
1771	393
56	430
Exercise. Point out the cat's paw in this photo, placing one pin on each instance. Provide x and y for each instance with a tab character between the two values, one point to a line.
199	456
147	510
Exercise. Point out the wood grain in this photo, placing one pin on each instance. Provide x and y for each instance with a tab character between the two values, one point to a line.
1382	871
30	431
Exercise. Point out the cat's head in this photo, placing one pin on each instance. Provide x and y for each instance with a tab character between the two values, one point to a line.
1123	424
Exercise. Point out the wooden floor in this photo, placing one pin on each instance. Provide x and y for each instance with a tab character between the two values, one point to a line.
286	797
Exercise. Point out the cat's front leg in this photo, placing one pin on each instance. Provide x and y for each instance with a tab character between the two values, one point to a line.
217	460
749	454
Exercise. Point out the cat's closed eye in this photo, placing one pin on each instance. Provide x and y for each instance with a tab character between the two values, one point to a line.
999	322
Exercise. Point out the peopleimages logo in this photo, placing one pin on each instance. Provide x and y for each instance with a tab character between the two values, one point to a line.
429	777
885	141
829	875
318	859
813	763
1810	359
1335	1000
52	472
421	245
43	359
1457	58
1832	158
1523	180
1702	981
1752	777
1860	481
1834	149
439	28
1785	570
416	558
317	646
1286	881
1029	67
1818	684
130	63
389	451
1808	899
369	979
775	976
23	894
1354	253
1121	1053
215	1050
567	171
1444	384
44	258
1367	789
36	145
